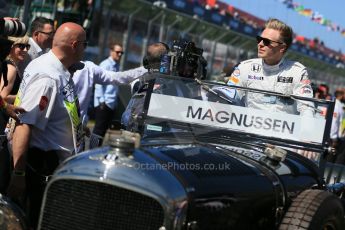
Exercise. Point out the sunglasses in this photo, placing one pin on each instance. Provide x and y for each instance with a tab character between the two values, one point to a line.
84	43
50	34
119	52
23	46
266	41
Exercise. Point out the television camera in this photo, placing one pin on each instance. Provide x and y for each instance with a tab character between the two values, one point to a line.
185	60
9	27
12	27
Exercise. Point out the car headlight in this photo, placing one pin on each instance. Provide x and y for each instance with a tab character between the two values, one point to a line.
11	217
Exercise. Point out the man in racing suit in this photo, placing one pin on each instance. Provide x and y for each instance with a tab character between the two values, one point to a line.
272	72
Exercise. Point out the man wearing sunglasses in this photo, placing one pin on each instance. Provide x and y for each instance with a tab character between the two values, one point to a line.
105	97
42	33
272	72
50	130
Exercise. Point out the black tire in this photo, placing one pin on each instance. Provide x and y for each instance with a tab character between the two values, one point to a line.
314	210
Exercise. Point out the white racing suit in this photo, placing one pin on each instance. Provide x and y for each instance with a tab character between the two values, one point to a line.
287	77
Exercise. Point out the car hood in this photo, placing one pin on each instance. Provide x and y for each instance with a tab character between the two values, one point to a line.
206	170
215	179
216	168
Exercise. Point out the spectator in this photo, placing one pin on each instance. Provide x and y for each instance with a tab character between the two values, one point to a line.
299	39
5	107
9	85
337	141
322	92
105	97
236	15
312	44
51	129
42	32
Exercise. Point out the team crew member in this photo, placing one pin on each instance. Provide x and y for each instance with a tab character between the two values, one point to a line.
272	72
336	135
84	79
42	32
105	97
50	131
90	73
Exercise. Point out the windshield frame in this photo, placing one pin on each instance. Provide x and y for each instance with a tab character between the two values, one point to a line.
195	128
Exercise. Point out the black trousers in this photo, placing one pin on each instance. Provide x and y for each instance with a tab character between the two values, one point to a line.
40	164
340	157
103	118
5	156
5	167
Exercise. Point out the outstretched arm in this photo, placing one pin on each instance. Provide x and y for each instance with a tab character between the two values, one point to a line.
102	76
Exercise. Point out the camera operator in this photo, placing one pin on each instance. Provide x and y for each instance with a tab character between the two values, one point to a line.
151	62
185	60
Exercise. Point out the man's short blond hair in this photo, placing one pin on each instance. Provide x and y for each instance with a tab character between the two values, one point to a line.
286	31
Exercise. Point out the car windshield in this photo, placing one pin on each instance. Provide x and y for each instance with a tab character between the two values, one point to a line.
205	108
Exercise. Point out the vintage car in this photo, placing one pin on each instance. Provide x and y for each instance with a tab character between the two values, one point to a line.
202	159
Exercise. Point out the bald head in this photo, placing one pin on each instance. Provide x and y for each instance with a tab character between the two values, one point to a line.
68	32
69	43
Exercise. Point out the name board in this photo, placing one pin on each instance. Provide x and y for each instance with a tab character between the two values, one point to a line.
243	119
